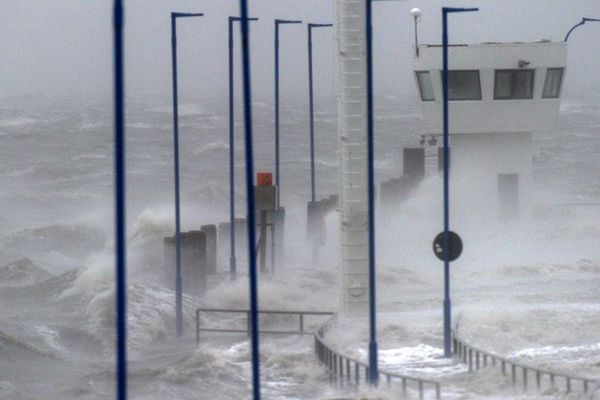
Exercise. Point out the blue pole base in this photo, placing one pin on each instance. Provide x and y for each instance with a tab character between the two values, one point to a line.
232	268
373	367
178	307
447	329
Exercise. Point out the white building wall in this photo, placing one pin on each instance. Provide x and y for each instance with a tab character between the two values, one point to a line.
487	114
475	162
353	154
489	137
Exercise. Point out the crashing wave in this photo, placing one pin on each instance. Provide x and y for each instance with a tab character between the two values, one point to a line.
71	240
211	147
22	273
150	316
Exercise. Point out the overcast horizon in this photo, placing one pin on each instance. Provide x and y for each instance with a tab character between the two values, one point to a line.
63	49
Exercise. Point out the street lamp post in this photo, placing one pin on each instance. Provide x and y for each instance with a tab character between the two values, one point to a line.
373	361
178	290
120	221
250	203
416	14
277	23
447	303
582	22
232	259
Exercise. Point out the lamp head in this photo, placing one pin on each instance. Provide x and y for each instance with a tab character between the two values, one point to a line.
185	15
416	14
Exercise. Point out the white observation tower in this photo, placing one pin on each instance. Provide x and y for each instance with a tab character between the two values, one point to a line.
499	94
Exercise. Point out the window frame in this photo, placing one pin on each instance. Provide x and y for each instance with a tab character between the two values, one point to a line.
421	93
462	70
560	82
512	71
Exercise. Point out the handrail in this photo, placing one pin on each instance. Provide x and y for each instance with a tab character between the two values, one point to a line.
301	329
349	368
589	395
467	352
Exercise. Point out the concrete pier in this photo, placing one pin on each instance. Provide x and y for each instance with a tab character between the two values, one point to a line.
414	163
211	247
312	220
224	243
395	191
280	236
193	262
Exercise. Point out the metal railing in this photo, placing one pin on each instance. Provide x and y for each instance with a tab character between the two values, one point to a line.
355	371
589	395
300	314
476	359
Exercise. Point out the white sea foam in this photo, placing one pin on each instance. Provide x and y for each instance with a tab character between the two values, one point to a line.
211	147
140	125
51	338
527	277
16	122
22	273
185	109
91	156
15	173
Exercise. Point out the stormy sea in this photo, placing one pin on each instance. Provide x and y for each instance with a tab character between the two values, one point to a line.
527	291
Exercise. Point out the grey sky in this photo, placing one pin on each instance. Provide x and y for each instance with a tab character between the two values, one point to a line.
63	47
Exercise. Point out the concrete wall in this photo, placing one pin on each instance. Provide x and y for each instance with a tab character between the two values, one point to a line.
394	191
224	243
194	269
476	162
413	160
211	247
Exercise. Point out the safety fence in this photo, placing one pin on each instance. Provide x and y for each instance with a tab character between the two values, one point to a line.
477	359
302	326
589	395
351	370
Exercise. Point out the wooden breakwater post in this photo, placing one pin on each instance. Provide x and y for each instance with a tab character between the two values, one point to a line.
194	268
211	247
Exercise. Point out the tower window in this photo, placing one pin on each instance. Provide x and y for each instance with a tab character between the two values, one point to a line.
513	84
463	85
425	86
552	83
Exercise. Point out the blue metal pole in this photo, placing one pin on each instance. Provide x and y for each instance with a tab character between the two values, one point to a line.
277	109
178	294
583	21
120	221
311	110
447	302
277	180
373	364
250	199
232	258
178	285
312	116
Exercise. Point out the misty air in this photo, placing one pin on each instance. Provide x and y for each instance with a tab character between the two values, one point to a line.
300	199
